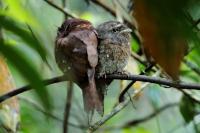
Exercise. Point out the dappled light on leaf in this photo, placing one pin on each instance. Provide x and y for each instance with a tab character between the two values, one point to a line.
15	10
27	70
25	35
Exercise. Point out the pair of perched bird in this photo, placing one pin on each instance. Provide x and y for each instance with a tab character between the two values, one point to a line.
81	52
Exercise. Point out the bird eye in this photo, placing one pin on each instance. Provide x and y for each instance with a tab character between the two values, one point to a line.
66	27
114	30
59	29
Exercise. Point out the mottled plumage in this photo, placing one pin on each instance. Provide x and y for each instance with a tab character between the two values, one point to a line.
113	52
113	48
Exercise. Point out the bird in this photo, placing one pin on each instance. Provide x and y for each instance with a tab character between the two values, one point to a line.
113	52
76	55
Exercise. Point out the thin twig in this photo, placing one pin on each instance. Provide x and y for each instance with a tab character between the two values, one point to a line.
60	9
64	3
188	63
141	120
64	6
189	96
116	110
39	108
121	96
138	58
192	66
69	94
68	106
104	6
131	23
158	111
197	22
130	6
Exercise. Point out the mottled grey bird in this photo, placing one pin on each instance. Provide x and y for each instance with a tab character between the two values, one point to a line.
113	48
113	52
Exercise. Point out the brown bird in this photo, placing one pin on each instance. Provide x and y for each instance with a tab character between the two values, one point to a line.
76	55
113	51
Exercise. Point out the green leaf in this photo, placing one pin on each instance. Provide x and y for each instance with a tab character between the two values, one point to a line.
29	38
18	11
27	71
187	109
134	45
127	130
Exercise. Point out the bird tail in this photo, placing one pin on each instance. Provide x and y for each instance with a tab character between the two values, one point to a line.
91	96
101	85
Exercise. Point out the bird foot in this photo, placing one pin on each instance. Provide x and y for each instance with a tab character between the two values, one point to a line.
124	72
101	75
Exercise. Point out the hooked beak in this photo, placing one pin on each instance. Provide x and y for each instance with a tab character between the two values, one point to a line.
126	30
119	25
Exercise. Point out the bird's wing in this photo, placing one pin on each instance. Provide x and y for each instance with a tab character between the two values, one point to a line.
90	40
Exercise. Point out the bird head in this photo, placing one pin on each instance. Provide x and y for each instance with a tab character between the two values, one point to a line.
74	24
114	30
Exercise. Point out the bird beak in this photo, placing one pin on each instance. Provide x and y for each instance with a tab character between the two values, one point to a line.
126	30
119	25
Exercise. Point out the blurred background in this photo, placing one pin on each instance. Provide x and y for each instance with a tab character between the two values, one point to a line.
28	30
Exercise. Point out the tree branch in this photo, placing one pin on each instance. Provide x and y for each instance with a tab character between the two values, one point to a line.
28	87
192	66
158	111
131	23
161	81
189	96
116	110
68	106
143	78
141	120
138	58
66	13
121	96
197	22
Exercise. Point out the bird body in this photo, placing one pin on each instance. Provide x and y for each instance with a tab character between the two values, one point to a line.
113	48
76	55
113	52
112	61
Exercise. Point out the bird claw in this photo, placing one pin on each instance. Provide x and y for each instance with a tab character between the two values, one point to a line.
101	75
125	73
